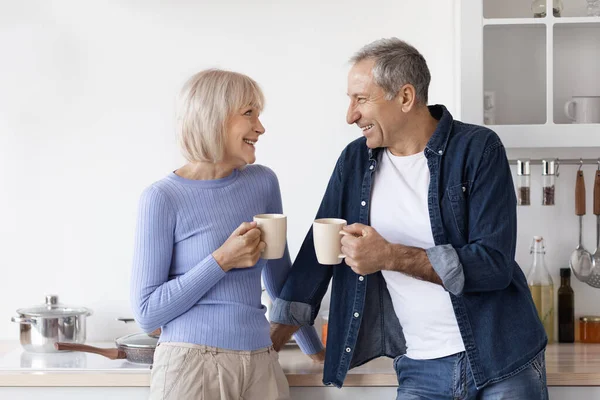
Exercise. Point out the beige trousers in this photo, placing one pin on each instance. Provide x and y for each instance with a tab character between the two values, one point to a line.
184	371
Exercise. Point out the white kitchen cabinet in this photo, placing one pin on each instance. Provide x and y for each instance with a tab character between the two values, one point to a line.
517	72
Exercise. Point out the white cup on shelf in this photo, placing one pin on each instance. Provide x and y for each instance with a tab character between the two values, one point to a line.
583	109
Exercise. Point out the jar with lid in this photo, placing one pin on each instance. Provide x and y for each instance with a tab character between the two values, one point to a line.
548	182
589	329
593	8
539	8
523	183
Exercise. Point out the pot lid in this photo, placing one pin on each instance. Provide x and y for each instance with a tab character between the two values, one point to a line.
52	308
137	341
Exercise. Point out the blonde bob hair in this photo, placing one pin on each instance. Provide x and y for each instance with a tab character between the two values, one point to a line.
206	102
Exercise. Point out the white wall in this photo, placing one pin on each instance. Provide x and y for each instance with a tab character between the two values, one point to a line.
86	120
86	115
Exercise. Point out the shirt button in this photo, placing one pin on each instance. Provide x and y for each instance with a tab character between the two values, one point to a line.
440	152
464	189
371	167
363	203
348	349
361	278
356	315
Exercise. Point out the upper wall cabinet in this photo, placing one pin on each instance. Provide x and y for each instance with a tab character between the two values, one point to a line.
530	70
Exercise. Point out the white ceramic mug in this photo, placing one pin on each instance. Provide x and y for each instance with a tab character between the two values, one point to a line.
273	228
328	240
586	109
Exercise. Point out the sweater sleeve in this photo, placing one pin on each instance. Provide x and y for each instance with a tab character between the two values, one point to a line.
276	272
155	299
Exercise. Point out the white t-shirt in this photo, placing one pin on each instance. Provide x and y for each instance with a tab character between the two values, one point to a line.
399	212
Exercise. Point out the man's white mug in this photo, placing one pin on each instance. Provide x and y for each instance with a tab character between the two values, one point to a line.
273	228
328	240
583	109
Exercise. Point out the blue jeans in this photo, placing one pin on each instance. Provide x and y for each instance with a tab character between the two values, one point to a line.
450	378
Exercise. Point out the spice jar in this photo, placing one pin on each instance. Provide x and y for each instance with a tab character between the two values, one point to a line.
589	329
548	182
523	183
539	8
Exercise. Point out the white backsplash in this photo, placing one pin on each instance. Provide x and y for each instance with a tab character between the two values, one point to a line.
558	224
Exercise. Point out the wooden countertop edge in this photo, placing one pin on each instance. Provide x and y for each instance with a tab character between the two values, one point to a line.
569	357
119	379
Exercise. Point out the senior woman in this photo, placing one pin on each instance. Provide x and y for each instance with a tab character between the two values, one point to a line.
197	267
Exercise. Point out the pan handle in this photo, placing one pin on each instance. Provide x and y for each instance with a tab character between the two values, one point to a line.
19	320
113	354
126	320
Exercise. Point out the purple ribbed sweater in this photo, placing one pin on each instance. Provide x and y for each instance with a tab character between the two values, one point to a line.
176	283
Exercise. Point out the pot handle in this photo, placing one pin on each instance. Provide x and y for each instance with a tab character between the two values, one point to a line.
19	320
126	320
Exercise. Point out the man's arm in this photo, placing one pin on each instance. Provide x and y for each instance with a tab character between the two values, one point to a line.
412	261
368	252
281	334
486	263
274	275
299	301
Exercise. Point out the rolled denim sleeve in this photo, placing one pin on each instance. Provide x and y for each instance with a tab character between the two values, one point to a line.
446	264
487	261
291	313
297	314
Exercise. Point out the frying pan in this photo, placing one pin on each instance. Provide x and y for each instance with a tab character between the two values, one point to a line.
136	348
155	333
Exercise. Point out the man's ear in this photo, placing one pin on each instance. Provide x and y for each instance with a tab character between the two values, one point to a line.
407	97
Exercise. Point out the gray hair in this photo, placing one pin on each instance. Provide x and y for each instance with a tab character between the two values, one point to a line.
206	102
397	63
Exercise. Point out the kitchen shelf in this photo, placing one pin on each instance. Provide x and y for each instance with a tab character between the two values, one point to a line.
575	20
514	21
541	21
548	135
495	9
521	9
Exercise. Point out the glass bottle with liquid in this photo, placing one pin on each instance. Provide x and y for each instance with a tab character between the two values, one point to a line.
566	308
539	8
541	286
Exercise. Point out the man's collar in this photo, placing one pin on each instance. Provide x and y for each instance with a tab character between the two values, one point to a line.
438	141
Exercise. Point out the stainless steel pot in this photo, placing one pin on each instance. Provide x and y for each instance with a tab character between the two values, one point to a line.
42	326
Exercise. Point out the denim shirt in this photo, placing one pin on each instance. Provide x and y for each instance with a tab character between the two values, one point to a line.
472	208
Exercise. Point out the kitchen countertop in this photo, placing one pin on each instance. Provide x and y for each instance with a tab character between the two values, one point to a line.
566	365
